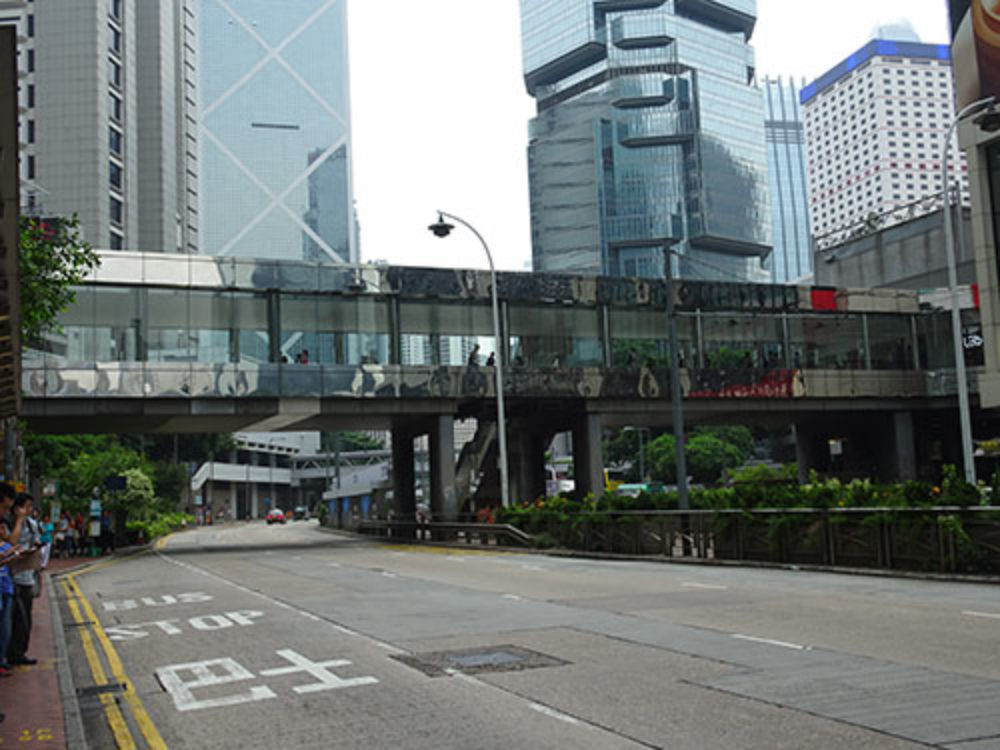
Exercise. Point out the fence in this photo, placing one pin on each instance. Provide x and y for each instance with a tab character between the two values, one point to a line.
942	539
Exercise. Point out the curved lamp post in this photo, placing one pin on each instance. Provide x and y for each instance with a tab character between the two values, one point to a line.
956	314
442	229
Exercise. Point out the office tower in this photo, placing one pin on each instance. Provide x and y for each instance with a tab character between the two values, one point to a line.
875	128
106	134
275	133
649	134
791	258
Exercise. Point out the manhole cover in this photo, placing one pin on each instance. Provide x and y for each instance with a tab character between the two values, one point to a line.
479	660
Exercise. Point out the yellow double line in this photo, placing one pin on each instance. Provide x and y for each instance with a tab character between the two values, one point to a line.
119	726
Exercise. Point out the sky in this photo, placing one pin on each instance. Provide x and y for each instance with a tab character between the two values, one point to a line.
440	115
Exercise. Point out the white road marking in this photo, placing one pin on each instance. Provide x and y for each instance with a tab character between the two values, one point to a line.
692	585
455	558
320	670
339	628
552	713
513	597
333	565
205	674
533	567
991	615
387	574
770	642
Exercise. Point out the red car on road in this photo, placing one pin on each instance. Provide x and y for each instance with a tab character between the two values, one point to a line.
275	515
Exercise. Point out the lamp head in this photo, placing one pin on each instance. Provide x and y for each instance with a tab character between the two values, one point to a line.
989	120
441	228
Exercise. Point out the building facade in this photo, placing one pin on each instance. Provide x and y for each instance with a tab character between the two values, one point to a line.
791	258
649	135
275	133
875	128
107	119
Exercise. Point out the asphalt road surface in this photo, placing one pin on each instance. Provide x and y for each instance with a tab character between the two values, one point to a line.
249	636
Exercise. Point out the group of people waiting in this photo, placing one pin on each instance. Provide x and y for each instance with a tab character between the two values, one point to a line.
25	543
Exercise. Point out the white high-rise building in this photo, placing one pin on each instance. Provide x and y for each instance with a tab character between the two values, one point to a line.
875	125
108	118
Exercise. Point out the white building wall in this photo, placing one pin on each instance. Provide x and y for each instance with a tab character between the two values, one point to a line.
874	140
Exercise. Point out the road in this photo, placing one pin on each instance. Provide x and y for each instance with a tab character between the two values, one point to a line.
249	636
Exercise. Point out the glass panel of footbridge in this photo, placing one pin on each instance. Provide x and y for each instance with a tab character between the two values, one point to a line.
641	337
334	330
890	341
737	341
555	336
832	341
439	333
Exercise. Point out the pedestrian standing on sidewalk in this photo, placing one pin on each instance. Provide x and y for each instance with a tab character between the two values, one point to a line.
7	552
25	581
47	529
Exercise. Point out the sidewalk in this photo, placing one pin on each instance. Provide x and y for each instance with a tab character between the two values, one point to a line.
32	699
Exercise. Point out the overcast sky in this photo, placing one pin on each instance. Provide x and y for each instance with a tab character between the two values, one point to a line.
440	114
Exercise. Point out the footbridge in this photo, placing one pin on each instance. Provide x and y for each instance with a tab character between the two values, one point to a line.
168	343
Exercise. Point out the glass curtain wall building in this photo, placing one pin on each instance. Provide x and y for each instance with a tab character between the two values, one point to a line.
786	159
649	135
275	136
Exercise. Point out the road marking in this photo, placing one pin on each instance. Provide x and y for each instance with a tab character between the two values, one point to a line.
333	565
991	615
512	597
552	713
692	585
533	567
204	676
119	729
276	602
149	731
320	670
770	642
387	574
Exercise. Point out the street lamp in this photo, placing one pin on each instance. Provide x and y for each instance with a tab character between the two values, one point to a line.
442	229
956	314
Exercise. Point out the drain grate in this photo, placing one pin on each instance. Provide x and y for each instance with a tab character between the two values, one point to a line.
93	691
479	660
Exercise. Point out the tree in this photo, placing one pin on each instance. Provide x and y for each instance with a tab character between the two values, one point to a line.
350	441
54	258
707	457
737	435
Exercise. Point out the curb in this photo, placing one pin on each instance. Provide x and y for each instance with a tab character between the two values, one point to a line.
72	718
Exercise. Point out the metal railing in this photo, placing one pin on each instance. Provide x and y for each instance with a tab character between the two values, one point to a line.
487	534
941	539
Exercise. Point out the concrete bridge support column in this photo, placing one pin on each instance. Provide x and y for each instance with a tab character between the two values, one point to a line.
234	507
904	445
527	464
404	477
809	453
588	461
444	502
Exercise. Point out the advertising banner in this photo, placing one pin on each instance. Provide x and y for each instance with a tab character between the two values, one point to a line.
975	49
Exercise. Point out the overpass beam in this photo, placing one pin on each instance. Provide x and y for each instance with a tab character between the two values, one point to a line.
588	462
444	501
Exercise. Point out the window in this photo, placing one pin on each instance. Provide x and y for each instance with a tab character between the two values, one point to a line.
31	25
116	241
31	61
116	39
115	108
116	9
115	174
115	73
31	95
31	131
31	167
117	210
115	141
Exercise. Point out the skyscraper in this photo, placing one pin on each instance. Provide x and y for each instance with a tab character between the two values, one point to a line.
875	127
108	123
649	133
791	258
275	132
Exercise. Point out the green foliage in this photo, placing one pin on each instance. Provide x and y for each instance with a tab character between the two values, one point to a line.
956	491
708	456
661	458
86	471
53	259
738	436
156	525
